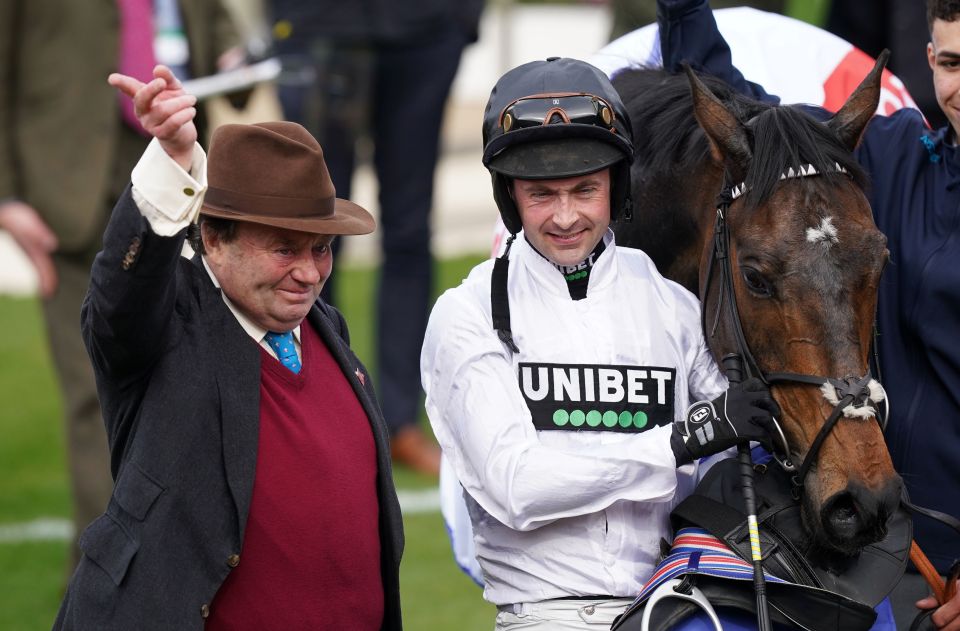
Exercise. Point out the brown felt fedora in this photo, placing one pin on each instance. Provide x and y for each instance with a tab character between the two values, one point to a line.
274	174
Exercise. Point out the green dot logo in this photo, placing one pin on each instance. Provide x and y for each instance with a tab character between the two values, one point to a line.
609	418
640	420
593	418
560	418
626	419
577	417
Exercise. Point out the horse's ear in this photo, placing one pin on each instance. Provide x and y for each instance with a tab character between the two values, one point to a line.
728	138
853	117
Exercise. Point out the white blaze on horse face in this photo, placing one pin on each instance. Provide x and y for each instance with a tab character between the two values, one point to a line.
825	233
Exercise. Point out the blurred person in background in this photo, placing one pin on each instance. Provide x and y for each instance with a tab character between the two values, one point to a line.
382	69
66	151
896	25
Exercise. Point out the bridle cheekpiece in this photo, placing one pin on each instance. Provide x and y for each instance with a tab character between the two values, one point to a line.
851	397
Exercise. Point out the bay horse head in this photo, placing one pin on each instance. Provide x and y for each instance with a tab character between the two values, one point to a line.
793	288
803	259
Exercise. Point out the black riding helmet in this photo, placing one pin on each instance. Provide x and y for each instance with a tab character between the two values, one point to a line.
554	119
545	120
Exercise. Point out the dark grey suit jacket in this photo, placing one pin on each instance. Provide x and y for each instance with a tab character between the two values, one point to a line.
178	380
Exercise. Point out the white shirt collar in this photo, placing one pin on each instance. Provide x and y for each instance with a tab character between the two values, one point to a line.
254	330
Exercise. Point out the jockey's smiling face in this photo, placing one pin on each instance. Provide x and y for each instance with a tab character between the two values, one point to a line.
565	218
943	54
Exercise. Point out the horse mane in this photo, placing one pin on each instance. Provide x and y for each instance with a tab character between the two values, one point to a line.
667	136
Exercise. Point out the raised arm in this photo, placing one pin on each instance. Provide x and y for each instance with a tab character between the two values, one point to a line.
129	313
689	35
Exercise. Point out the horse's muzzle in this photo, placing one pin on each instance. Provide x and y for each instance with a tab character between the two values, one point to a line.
857	516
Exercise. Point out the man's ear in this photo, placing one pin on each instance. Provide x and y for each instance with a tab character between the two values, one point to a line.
209	238
931	55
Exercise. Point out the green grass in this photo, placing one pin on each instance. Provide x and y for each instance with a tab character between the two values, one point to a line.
31	440
33	483
812	11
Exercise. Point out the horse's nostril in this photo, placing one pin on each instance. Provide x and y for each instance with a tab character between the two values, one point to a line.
842	519
844	514
857	517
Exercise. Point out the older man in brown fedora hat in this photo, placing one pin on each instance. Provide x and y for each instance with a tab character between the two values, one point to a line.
252	465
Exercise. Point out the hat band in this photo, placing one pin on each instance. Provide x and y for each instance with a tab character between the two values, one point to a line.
267	206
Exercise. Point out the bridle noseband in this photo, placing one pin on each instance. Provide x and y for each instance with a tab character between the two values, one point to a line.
852	397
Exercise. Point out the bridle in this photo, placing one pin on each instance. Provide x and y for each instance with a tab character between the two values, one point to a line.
851	396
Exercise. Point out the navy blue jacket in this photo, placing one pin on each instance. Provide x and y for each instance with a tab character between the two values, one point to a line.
915	195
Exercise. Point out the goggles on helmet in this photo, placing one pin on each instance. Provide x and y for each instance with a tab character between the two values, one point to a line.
571	107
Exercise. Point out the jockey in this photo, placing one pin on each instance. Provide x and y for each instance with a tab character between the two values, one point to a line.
555	375
915	174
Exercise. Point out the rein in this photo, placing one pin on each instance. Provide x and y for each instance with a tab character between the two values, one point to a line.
851	397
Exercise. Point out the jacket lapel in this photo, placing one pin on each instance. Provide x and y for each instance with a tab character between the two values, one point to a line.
237	368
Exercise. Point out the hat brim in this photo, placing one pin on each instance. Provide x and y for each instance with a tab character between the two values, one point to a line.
348	218
555	158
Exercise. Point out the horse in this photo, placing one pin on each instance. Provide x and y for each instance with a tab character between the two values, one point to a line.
787	266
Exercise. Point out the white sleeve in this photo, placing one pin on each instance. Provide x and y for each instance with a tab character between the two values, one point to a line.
706	384
167	196
705	379
484	427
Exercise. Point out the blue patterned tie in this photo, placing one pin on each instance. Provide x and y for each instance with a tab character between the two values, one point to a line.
282	344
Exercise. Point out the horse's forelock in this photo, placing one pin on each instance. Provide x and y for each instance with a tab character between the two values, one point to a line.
786	137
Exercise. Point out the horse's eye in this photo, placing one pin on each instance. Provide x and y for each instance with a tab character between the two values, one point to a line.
756	283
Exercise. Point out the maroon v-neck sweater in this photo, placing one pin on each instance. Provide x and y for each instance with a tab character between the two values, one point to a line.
311	550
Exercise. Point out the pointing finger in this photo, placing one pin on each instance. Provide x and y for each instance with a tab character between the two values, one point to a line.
127	85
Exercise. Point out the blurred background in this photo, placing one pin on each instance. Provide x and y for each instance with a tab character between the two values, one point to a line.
35	525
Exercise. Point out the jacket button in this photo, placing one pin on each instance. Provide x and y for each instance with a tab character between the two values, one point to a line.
233	560
205	610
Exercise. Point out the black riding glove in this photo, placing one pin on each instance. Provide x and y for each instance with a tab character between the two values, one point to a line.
745	412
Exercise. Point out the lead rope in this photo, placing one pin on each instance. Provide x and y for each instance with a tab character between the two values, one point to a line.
943	591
